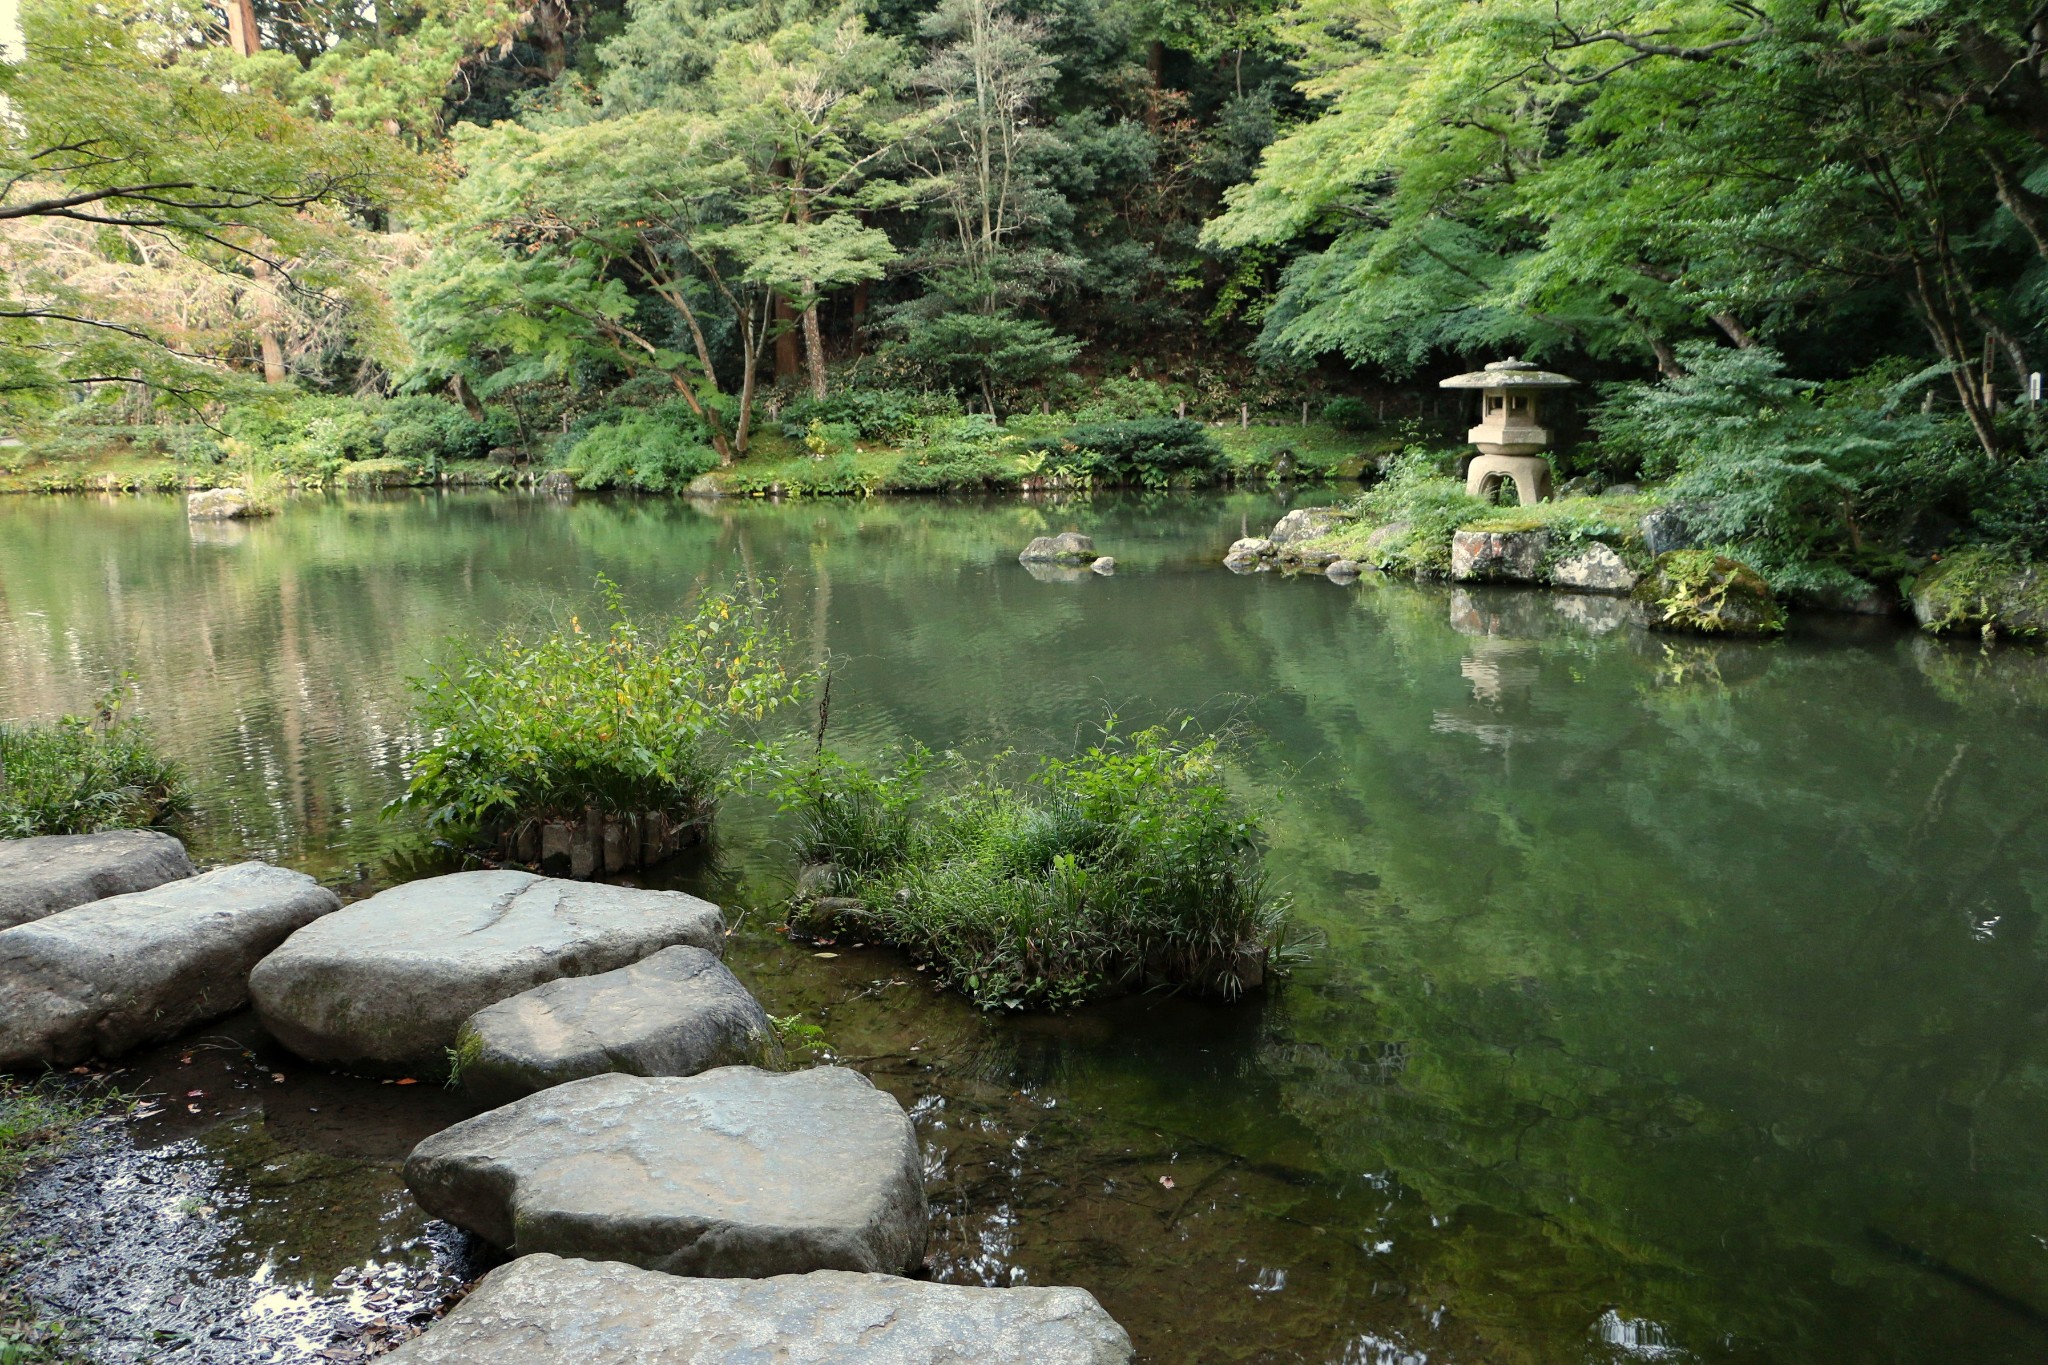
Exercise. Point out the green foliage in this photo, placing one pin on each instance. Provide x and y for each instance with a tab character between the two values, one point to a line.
1982	586
1417	507
970	453
85	774
433	432
1791	472
877	413
1352	414
1707	592
1126	865
1151	451
629	719
656	452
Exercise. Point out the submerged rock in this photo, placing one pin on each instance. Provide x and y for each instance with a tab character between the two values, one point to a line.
105	977
1104	566
735	1172
1709	594
543	1310
676	1013
1341	570
223	504
387	984
1596	568
1249	553
53	872
1068	547
1498	556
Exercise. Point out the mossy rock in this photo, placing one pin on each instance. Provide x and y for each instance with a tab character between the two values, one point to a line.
1979	589
1708	594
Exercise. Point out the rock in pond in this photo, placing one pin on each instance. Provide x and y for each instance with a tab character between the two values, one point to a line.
1249	553
676	1013
1068	547
735	1172
1707	594
53	872
110	975
1306	523
544	1310
1981	589
223	504
1104	566
385	985
1498	556
1341	570
1596	568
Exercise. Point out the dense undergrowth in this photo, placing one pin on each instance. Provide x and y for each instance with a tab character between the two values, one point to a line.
1127	865
624	718
80	775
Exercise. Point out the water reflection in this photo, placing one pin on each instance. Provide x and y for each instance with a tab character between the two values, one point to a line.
1678	997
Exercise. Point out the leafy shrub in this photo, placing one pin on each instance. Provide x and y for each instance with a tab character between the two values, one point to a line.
1154	450
971	453
651	451
433	432
81	775
1127	864
1352	414
629	720
1793	472
1405	521
1120	398
381	473
891	415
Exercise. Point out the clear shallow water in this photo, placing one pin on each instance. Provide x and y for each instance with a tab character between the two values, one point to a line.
1679	1001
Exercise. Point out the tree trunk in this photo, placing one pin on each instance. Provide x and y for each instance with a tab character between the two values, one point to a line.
467	397
266	324
860	317
785	339
814	349
242	33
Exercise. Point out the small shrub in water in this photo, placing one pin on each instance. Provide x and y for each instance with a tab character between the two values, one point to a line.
1125	865
82	775
627	719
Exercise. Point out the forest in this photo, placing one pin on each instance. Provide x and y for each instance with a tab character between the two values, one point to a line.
1796	251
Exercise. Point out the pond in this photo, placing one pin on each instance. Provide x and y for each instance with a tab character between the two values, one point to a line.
1671	1001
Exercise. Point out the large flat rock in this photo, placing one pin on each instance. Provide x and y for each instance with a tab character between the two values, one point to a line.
676	1013
542	1310
385	985
53	872
736	1172
110	975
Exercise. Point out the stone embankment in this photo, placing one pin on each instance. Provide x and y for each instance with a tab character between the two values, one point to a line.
648	1147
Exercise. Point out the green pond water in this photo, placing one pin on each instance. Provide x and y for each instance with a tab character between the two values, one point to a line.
1674	1001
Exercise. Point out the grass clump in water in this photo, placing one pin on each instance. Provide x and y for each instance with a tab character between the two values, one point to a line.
83	774
1127	865
627	719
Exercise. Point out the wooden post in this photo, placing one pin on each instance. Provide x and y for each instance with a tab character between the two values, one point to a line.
1304	412
1244	414
1180	409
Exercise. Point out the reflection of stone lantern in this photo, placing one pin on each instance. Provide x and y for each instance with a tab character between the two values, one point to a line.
1510	442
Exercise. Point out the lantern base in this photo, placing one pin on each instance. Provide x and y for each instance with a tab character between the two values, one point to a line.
1531	474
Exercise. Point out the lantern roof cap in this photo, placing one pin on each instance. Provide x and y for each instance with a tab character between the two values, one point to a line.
1512	373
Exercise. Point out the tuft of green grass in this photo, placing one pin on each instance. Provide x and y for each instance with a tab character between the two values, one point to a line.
1129	864
37	1120
84	774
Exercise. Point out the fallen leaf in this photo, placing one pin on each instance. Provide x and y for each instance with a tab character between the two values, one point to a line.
81	1071
191	1108
1166	1181
185	1060
195	1094
407	1080
824	955
277	1078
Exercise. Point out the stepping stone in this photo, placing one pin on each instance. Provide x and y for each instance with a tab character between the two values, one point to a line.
676	1013
110	975
386	985
53	872
738	1172
542	1310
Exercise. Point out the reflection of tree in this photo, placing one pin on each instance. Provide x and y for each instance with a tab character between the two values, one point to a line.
1701	988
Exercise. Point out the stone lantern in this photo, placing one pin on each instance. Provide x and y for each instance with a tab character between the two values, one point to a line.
1510	442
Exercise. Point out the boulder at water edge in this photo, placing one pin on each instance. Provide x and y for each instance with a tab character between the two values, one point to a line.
54	872
1710	594
676	1013
1068	547
386	984
110	975
737	1172
223	504
543	1310
1498	556
1594	568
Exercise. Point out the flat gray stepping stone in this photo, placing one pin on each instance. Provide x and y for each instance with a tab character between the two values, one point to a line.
676	1013
53	872
111	975
737	1172
542	1310
386	985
